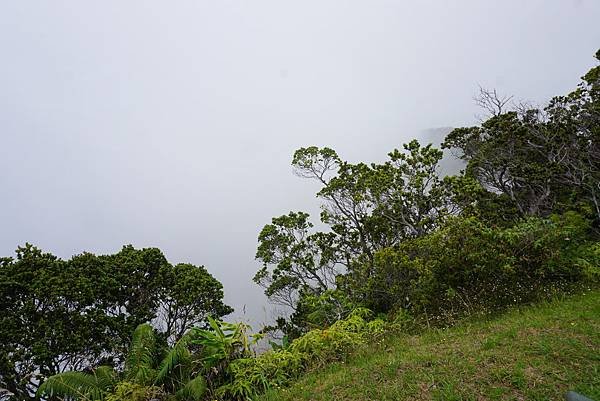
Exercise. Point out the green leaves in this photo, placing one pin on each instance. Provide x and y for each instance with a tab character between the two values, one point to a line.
178	356
294	258
224	342
194	390
106	377
469	267
77	386
191	295
366	208
542	161
313	162
252	376
82	312
180	371
139	366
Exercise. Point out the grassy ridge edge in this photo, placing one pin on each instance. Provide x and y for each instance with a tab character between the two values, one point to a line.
530	353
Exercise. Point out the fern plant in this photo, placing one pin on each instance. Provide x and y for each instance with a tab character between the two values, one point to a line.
146	371
79	385
194	366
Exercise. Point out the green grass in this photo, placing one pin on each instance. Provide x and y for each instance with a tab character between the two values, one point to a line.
533	353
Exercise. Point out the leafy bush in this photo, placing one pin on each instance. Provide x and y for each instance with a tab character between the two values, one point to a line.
468	267
127	391
277	368
188	371
588	261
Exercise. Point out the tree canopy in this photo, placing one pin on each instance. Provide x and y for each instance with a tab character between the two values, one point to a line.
520	162
60	315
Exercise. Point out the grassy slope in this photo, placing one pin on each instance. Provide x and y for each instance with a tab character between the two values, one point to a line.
535	353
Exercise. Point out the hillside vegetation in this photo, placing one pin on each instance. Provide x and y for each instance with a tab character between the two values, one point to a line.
399	247
532	353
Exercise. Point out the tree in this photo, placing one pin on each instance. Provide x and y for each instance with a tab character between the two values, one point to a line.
490	101
294	259
61	315
371	207
543	160
54	317
191	294
367	208
505	157
417	198
578	116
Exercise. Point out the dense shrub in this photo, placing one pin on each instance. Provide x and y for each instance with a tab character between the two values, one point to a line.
468	266
126	391
588	261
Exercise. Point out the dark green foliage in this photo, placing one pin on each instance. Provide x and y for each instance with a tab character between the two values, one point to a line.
294	259
322	310
543	161
276	368
190	295
190	370
79	385
367	208
139	365
468	267
59	315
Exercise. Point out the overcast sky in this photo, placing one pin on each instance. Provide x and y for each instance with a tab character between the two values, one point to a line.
171	124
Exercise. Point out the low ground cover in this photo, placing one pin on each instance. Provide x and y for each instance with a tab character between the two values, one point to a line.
531	353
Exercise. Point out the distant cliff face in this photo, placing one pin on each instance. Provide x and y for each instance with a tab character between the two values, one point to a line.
449	165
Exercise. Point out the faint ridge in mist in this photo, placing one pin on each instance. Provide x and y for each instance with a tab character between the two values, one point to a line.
450	164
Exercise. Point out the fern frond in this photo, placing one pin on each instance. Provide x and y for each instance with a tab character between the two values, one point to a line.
72	386
106	377
194	390
179	355
140	361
